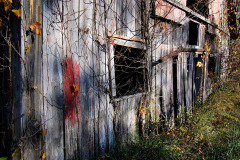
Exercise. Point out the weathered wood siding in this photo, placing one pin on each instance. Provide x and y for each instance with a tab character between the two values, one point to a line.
76	47
31	75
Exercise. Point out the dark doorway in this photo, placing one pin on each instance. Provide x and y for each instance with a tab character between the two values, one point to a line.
198	74
175	94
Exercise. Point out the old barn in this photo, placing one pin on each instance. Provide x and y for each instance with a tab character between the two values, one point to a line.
88	74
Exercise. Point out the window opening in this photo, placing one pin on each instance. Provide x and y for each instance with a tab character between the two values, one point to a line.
193	33
130	71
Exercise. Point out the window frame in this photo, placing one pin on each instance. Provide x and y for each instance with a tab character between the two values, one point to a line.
125	43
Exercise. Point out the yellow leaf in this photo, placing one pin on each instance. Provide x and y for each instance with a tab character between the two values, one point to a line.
141	110
36	24
44	155
17	12
38	32
45	132
32	27
144	111
7	6
28	48
6	1
76	87
199	64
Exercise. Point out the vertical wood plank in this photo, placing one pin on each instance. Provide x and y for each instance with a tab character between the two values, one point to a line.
110	80
71	78
131	119
33	60
86	50
190	82
52	82
153	75
101	77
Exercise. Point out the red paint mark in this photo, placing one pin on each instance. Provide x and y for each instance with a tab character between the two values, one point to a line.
72	101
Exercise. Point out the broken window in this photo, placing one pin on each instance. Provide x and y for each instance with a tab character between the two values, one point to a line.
199	6
130	70
193	33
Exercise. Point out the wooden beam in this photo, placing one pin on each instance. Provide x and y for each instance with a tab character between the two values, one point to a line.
126	38
175	52
132	44
164	19
193	13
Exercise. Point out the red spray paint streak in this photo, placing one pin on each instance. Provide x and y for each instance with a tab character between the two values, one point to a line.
72	102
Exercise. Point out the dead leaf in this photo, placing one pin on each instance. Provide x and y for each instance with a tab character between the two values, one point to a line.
44	155
7	5
44	132
165	26
36	24
28	48
17	12
142	111
32	27
74	89
34	87
87	30
38	32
